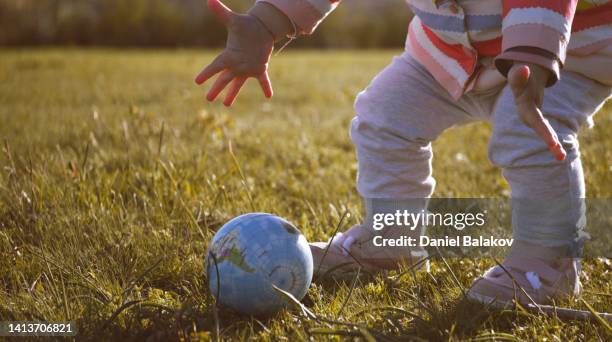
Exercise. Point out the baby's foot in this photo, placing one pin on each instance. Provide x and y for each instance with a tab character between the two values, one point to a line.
347	252
543	280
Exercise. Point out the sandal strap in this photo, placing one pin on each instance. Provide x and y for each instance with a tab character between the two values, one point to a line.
535	266
533	286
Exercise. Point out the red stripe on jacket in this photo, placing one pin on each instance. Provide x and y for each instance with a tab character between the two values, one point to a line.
488	48
592	17
455	51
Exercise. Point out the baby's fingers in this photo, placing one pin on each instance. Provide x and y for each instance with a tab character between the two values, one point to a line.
222	12
213	68
234	90
266	85
545	131
222	81
552	141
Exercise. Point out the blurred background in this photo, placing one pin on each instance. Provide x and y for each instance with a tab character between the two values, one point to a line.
182	23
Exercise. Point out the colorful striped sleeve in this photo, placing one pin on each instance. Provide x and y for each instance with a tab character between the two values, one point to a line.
536	31
305	14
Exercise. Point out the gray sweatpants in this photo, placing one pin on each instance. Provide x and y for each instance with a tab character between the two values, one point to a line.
404	109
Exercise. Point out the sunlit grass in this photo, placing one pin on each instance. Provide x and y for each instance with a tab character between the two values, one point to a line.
115	174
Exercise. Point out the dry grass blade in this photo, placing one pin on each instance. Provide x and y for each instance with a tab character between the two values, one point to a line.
141	276
161	139
245	184
386	308
348	296
294	302
366	334
452	273
340	223
496	337
599	316
515	283
85	158
216	298
331	331
595	293
347	271
555	311
396	278
119	311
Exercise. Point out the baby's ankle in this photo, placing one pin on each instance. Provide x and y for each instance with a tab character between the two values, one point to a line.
554	256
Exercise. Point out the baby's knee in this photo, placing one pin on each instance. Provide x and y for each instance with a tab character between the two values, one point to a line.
385	143
382	125
533	172
519	146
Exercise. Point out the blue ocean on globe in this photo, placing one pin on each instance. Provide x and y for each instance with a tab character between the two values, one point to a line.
252	252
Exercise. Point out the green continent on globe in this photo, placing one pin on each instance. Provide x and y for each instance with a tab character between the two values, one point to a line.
230	252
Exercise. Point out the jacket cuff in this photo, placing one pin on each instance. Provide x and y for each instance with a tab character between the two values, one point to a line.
535	36
275	21
535	31
302	13
504	62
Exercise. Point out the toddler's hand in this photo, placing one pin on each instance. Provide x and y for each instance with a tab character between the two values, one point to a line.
247	52
527	82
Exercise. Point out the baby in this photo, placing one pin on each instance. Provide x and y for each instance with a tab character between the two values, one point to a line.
510	62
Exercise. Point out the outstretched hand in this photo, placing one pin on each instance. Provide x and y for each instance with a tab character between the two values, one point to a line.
247	53
527	83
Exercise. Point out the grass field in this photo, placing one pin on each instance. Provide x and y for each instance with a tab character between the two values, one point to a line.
115	174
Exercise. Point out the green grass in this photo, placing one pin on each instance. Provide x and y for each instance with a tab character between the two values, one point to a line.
115	174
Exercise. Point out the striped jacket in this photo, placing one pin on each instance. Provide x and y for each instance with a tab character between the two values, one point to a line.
451	38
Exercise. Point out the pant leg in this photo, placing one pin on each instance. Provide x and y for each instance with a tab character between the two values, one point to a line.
547	195
398	116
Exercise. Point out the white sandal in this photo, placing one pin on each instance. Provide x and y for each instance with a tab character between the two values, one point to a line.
348	252
542	282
